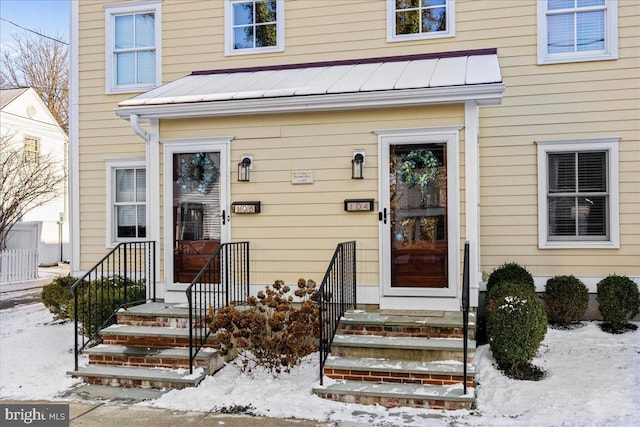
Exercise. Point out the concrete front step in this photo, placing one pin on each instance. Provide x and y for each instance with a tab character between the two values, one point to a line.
394	395
149	336
401	348
125	376
155	314
398	371
152	357
419	324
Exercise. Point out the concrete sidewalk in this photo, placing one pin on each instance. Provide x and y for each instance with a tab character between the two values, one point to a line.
105	414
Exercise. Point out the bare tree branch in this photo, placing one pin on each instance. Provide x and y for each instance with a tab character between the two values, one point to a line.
25	184
43	64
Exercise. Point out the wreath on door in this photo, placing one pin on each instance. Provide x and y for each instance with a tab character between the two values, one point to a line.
197	172
418	168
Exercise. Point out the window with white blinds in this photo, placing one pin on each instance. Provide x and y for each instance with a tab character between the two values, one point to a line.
133	47
578	195
577	30
126	200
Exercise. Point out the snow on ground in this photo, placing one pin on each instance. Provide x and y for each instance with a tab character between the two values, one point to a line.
593	380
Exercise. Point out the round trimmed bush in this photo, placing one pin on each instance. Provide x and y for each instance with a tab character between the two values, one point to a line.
510	272
56	296
516	325
618	301
566	298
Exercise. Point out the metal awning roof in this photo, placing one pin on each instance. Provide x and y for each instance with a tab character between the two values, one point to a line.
376	82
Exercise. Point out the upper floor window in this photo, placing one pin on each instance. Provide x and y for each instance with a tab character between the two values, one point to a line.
31	149
133	47
420	19
254	26
577	30
578	196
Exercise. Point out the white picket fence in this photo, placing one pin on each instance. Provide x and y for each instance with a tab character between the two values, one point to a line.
17	265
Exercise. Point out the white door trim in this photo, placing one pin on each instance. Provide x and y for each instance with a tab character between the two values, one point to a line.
171	146
442	134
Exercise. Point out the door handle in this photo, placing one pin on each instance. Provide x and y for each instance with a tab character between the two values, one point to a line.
382	216
224	217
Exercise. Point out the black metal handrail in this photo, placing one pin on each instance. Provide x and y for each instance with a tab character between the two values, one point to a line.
465	312
222	281
126	276
337	294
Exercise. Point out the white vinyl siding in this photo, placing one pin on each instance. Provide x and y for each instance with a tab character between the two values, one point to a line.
577	194
577	30
133	55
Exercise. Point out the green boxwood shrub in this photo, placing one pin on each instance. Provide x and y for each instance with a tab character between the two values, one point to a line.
56	296
510	272
618	301
516	325
566	298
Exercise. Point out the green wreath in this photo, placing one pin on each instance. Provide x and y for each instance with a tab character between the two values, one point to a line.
197	172
418	168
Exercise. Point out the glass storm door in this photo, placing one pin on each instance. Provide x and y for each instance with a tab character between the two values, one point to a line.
197	212
416	231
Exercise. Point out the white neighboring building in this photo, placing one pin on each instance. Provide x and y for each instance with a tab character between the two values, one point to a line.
29	124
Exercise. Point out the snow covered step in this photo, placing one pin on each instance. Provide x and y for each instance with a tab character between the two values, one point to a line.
393	395
124	376
155	314
177	357
148	336
398	371
401	348
420	324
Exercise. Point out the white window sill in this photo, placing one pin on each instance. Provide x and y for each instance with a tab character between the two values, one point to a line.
579	245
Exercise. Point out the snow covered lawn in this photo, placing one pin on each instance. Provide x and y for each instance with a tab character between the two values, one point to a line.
593	380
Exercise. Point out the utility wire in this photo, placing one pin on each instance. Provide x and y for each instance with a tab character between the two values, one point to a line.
35	32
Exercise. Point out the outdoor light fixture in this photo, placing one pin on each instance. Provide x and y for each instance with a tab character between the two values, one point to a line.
357	164
243	169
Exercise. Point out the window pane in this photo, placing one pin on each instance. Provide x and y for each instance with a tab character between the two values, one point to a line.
266	35
560	33
142	221
243	38
406	4
562	216
126	221
124	185
124	32
141	181
125	66
593	218
265	12
588	3
243	13
434	2
434	19
146	66
592	172
408	22
562	172
145	30
560	4
590	28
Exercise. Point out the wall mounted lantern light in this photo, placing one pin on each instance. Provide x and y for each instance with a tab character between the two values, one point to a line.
357	164
243	168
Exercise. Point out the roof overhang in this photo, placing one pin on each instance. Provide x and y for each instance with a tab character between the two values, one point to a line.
454	77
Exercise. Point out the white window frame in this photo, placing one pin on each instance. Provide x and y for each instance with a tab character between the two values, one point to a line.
610	145
228	30
112	165
391	25
113	10
32	149
609	52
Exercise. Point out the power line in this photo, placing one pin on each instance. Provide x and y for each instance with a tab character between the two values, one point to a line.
35	32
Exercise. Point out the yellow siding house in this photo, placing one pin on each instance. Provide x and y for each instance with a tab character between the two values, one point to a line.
407	126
